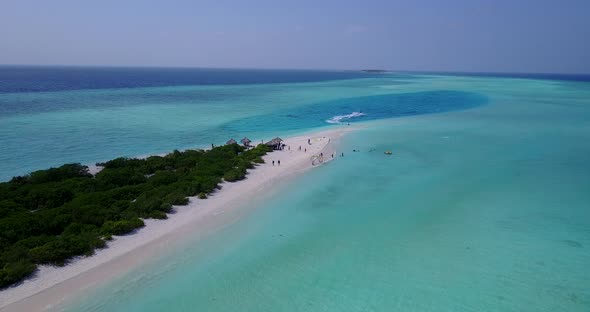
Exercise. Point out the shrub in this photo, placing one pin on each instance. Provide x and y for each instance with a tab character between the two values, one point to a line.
163	178
176	198
46	197
156	214
208	183
122	226
234	175
31	242
120	176
77	229
93	214
146	204
165	207
59	174
54	252
59	250
15	271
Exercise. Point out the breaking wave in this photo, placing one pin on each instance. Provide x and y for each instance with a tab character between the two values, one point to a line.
340	118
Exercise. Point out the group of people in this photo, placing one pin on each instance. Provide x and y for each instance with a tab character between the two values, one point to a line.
278	162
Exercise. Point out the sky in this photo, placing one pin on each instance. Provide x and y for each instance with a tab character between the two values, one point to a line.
532	36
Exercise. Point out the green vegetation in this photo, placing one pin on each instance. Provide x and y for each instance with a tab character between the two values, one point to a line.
50	216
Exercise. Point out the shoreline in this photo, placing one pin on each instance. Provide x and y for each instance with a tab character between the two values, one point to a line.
52	286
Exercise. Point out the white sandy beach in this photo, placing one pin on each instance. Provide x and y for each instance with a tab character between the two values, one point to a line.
52	286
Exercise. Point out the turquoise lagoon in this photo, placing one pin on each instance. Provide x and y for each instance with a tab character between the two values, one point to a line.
483	206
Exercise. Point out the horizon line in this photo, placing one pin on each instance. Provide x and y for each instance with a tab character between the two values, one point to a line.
298	69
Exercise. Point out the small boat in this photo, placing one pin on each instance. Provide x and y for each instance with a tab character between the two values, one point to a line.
388	153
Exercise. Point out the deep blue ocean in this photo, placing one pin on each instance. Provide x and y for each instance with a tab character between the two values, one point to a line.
21	79
482	206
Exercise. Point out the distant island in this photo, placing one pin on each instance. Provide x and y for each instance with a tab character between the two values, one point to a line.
375	71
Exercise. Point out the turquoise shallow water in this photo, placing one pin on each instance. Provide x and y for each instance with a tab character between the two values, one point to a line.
484	209
42	129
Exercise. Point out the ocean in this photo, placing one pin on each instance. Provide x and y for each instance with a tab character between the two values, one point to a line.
484	204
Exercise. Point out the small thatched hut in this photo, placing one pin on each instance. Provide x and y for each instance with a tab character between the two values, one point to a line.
245	141
230	142
275	143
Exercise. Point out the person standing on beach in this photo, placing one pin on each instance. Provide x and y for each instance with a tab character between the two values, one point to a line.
279	162
306	150
273	162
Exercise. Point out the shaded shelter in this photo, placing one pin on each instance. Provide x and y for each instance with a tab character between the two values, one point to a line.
275	144
230	142
245	141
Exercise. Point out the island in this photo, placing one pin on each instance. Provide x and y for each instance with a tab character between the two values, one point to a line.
375	71
53	215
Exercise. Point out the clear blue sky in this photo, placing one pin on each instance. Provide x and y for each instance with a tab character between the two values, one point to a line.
449	35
